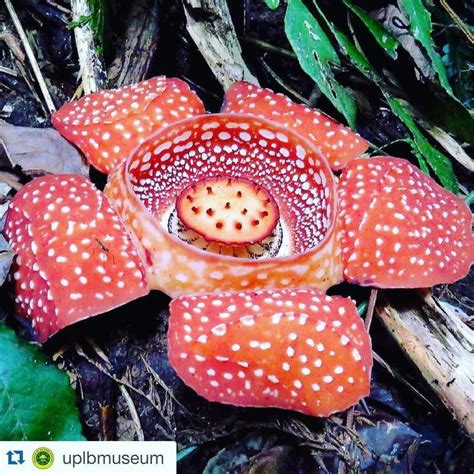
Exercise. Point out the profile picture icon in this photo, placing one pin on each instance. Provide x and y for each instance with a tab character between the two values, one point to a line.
43	458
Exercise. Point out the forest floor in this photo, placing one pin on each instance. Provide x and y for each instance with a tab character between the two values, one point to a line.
118	365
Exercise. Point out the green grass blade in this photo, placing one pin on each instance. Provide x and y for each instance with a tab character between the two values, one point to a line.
383	37
440	163
272	4
420	28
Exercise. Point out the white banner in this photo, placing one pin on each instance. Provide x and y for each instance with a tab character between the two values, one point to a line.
88	457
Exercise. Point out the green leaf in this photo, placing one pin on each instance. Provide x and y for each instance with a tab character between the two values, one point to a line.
422	148
440	163
36	400
357	57
348	48
421	159
272	4
451	114
420	28
185	452
316	55
383	37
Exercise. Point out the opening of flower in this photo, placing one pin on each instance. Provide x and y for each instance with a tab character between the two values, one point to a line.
226	202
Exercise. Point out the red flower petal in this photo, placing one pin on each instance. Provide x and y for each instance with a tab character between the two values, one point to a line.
400	228
144	191
74	256
338	143
108	125
294	349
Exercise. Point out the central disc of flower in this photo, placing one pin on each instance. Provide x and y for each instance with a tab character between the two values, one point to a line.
228	210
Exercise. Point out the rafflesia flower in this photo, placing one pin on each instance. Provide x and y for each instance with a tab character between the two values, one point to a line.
239	216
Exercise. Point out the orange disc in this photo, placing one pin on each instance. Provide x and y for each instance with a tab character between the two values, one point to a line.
232	211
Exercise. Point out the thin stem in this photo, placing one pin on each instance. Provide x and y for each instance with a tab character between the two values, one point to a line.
469	200
371	308
283	84
31	56
269	47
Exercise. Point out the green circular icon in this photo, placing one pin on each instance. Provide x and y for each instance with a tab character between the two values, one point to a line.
43	458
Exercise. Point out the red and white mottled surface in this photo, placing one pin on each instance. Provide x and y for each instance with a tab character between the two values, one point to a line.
107	125
338	143
145	188
295	349
400	228
74	257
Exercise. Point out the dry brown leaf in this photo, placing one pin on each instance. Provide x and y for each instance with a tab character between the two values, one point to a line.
395	21
39	151
6	258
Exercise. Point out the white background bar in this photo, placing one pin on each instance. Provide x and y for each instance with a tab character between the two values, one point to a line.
89	457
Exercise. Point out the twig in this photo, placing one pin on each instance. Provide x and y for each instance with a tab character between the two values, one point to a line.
342	468
78	92
10	180
8	71
160	382
21	67
396	375
123	390
269	47
370	308
58	7
31	56
210	25
202	89
282	83
133	412
92	70
127	384
455	17
107	423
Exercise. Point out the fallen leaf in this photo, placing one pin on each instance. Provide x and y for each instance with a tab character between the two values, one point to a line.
386	439
4	190
6	258
397	23
39	151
